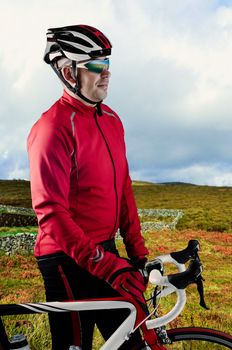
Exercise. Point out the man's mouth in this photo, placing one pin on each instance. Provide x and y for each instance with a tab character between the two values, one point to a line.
104	86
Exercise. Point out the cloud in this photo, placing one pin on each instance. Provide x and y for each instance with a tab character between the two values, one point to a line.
213	175
181	94
196	52
171	82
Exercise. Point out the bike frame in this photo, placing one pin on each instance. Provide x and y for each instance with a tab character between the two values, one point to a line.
121	334
124	331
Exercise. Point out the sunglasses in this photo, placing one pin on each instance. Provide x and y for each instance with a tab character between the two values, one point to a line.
95	66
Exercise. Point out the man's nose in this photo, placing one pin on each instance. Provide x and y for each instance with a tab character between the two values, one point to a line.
105	73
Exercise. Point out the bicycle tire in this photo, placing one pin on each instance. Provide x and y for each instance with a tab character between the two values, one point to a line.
198	338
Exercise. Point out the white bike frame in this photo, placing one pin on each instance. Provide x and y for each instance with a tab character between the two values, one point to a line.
121	334
127	327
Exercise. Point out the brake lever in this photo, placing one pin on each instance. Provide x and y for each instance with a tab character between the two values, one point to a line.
181	280
191	275
200	289
199	283
190	252
185	277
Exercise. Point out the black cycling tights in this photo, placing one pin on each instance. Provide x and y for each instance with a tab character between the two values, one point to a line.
65	280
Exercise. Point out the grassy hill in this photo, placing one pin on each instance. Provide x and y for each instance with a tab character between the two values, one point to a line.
16	193
205	207
20	281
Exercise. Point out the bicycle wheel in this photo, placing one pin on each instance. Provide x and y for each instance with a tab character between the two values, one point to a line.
197	338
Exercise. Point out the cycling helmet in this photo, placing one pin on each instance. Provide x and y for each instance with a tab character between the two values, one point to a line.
76	43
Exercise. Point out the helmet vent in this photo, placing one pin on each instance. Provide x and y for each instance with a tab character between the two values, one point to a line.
77	43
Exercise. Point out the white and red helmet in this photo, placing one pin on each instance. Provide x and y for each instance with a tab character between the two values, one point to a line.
77	43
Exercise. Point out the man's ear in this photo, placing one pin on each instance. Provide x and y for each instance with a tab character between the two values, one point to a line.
68	74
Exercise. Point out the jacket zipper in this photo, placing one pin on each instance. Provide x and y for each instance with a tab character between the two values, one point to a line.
112	160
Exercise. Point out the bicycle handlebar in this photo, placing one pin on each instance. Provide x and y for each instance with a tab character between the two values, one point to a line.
174	282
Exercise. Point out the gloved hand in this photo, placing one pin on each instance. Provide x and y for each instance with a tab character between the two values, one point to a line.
118	272
129	282
138	262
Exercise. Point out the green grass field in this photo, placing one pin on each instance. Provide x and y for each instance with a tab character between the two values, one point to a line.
206	208
207	217
20	281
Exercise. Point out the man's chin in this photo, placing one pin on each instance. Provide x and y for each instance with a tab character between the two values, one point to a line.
102	96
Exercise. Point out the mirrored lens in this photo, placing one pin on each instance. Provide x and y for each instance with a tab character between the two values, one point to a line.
97	66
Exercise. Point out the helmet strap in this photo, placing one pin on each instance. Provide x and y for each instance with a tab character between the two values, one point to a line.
78	93
75	89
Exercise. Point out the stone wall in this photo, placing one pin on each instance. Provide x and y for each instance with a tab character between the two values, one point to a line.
21	243
24	242
174	216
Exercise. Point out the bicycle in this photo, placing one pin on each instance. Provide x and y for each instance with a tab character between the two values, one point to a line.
188	338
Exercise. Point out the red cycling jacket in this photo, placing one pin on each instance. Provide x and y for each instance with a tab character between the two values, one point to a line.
81	189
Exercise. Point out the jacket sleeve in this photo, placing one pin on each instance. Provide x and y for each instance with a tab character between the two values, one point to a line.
50	148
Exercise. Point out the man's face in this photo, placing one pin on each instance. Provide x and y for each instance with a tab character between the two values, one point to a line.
94	85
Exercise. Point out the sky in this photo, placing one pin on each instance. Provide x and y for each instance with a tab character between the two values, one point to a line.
171	82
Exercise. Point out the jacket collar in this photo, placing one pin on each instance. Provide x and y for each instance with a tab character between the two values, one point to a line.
77	104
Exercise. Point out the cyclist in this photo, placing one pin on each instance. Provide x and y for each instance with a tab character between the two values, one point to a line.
81	191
